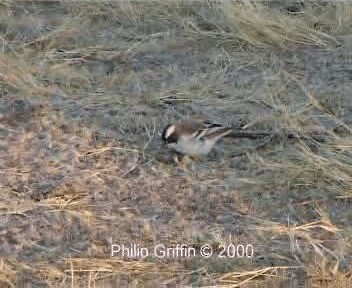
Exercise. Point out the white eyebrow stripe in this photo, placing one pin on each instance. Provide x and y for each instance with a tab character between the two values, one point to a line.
169	131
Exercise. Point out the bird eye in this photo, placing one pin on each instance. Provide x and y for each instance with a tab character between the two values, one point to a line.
171	139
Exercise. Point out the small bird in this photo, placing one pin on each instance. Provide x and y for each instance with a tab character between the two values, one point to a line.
193	138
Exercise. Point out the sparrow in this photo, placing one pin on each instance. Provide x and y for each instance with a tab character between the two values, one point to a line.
193	138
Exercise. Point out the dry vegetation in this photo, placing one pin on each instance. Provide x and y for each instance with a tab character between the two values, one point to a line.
86	88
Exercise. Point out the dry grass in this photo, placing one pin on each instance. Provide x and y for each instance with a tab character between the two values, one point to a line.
86	89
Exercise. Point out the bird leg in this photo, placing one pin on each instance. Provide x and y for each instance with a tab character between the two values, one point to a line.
183	162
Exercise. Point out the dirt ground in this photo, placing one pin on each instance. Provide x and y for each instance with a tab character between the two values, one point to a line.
86	89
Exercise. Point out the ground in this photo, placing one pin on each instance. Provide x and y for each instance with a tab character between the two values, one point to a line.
86	89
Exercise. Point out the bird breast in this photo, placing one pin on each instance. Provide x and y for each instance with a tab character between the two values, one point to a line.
193	147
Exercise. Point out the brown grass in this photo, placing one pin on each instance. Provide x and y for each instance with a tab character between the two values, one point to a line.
86	89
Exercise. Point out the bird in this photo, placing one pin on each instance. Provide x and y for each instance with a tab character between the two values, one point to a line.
192	138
